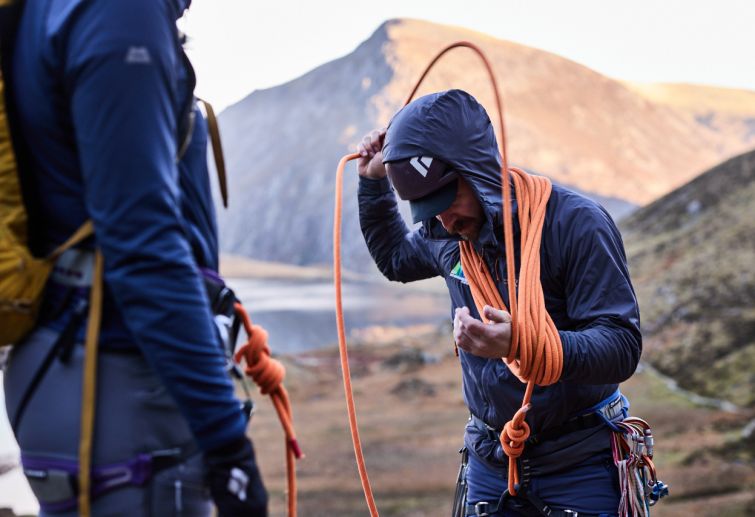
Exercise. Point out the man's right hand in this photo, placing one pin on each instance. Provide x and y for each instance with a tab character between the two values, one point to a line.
370	149
234	481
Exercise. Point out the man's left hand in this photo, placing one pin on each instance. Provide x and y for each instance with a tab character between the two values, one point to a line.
491	340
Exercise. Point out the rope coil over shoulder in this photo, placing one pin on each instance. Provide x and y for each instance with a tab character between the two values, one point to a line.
536	355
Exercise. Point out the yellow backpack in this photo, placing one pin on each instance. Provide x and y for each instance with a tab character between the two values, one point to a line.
22	275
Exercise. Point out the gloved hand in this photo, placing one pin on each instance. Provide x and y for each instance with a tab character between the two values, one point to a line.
235	482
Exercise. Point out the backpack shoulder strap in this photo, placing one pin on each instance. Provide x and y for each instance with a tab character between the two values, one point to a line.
84	231
88	394
217	149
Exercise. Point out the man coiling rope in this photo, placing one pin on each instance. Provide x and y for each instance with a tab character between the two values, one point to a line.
573	329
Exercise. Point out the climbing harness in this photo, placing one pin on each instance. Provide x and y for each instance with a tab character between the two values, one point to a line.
632	447
536	353
57	477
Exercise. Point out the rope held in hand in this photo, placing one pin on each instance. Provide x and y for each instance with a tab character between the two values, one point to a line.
536	355
268	374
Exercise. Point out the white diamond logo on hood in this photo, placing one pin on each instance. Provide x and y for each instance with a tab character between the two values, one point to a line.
421	164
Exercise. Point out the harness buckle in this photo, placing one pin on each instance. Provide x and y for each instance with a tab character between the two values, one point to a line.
571	513
481	509
614	411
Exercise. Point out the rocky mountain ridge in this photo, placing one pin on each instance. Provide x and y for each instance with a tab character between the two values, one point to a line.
564	120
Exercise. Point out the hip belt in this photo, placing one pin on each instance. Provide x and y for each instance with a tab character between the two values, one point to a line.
53	480
610	410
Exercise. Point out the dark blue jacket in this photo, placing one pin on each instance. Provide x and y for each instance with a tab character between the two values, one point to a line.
584	273
103	95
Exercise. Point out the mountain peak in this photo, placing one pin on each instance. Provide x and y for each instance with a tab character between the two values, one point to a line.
563	120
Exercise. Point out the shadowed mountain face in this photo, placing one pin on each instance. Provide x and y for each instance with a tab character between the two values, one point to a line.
582	129
692	255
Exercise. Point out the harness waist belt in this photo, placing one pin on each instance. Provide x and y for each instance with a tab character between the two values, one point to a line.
607	412
484	509
54	480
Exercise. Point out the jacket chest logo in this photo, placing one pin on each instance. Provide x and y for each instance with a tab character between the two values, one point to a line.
458	273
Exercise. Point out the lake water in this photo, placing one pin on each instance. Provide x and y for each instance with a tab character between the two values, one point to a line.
302	316
298	316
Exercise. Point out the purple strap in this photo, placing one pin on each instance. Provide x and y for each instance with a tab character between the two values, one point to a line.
212	275
135	471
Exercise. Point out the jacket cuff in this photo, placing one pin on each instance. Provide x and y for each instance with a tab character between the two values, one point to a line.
374	187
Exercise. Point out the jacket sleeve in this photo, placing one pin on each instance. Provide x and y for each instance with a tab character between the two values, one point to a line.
400	254
121	78
604	343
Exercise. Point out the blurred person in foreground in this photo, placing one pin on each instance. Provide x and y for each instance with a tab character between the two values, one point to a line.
107	128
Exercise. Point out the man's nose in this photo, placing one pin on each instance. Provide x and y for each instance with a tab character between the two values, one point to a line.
446	220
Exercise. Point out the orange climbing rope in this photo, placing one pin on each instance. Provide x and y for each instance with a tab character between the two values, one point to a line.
536	355
268	373
342	338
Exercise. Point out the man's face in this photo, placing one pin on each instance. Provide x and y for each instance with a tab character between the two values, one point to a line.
465	215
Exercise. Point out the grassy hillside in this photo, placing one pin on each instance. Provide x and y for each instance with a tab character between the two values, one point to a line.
412	416
692	255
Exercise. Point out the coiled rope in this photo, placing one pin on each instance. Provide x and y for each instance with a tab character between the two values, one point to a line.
536	355
268	374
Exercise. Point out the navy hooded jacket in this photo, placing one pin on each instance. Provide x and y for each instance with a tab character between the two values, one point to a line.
584	272
103	96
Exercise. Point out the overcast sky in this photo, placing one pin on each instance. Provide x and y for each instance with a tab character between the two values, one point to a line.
241	45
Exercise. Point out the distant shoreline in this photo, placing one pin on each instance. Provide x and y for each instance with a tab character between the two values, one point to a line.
235	266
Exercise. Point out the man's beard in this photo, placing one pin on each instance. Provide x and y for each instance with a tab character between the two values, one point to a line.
470	236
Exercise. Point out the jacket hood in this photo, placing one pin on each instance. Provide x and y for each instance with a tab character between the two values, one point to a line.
452	126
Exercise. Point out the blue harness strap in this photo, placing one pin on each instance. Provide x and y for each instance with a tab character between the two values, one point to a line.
612	409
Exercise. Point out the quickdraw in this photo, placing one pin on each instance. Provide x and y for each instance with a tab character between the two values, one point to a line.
632	446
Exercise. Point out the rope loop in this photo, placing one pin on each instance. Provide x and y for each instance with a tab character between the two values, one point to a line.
515	433
268	374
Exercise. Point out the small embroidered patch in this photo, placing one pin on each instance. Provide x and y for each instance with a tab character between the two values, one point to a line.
458	273
138	56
